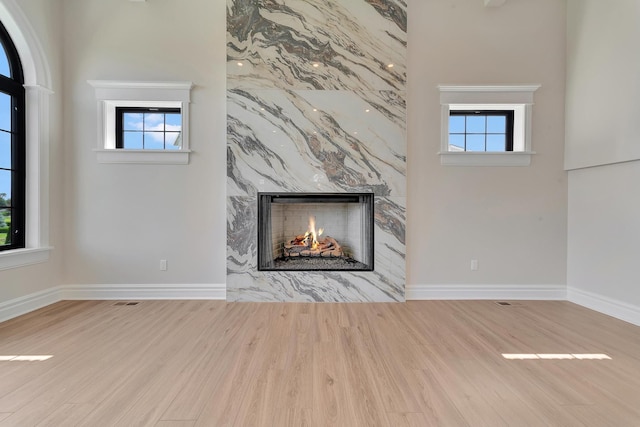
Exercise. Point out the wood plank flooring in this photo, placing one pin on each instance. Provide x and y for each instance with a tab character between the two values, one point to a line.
421	363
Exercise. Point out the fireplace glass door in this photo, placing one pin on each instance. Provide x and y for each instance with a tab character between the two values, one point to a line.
315	231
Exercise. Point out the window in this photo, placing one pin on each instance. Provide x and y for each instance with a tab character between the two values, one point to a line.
486	125
37	91
12	146
143	122
482	130
148	128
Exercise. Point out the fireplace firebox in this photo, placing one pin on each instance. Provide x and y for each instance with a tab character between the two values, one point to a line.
315	231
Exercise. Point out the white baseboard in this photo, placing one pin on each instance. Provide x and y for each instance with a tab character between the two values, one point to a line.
23	305
611	307
615	308
144	292
483	292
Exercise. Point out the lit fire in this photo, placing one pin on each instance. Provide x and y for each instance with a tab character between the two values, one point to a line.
310	244
311	233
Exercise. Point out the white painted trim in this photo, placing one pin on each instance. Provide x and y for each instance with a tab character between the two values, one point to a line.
605	305
481	158
22	257
127	90
34	63
155	157
37	157
618	309
483	292
523	92
143	291
23	305
133	84
111	94
518	98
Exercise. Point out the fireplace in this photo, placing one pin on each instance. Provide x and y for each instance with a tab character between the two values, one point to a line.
315	231
307	132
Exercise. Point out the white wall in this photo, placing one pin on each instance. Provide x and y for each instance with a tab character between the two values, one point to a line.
603	82
122	219
512	220
603	107
604	231
45	18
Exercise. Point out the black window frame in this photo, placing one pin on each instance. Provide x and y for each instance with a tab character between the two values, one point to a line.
509	119
14	87
121	111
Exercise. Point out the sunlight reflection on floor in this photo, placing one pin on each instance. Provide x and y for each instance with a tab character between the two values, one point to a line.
556	356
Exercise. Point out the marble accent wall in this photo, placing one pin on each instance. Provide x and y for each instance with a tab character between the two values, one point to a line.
316	95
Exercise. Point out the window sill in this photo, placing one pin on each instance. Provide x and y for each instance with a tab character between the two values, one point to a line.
23	257
154	157
513	158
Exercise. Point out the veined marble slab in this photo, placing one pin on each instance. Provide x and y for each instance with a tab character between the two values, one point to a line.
320	44
316	103
315	141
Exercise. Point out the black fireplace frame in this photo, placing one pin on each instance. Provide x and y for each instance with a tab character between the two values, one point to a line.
270	198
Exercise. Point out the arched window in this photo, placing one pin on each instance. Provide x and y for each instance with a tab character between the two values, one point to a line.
12	146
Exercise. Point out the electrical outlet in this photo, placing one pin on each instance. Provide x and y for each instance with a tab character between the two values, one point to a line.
163	265
474	264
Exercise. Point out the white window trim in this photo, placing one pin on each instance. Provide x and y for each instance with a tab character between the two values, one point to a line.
37	78
111	94
518	98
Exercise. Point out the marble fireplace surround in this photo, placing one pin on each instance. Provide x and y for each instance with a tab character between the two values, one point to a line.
316	103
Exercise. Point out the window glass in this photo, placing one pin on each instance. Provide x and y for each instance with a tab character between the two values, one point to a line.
475	142
5	225
496	124
456	124
456	142
5	187
154	121
174	122
4	62
5	150
154	140
476	124
496	142
132	121
484	130
5	112
149	128
133	140
172	140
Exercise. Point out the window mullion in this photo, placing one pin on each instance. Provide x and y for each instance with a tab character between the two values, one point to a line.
486	130
465	132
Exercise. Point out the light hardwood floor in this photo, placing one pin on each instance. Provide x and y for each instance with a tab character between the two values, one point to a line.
422	363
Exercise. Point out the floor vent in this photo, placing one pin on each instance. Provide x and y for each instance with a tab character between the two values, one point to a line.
126	303
503	303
